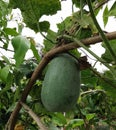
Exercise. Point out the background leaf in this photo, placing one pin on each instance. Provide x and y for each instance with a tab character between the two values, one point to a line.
20	45
76	122
34	50
3	8
89	116
50	41
32	10
4	73
107	56
105	15
10	31
88	78
59	119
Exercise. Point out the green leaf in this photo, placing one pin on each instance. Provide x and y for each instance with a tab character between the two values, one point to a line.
77	3
59	119
4	73
109	89
26	69
107	86
88	23
76	122
8	82
52	127
11	107
105	15
90	116
50	41
84	33
66	24
88	78
6	60
36	92
44	26
20	45
10	31
112	11
75	53
77	25
17	94
20	28
32	10
34	50
3	8
107	56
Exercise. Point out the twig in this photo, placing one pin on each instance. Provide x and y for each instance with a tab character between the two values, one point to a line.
96	39
34	116
91	91
36	74
7	49
101	4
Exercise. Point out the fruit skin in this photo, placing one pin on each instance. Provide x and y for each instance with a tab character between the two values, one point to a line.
61	85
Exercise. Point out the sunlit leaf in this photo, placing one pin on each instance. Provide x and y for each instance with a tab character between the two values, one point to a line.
76	122
90	116
34	50
105	16
75	53
112	11
10	31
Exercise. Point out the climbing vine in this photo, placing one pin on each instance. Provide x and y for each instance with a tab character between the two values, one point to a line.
21	78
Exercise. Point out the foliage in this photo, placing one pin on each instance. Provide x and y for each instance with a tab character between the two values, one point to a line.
32	10
96	106
20	43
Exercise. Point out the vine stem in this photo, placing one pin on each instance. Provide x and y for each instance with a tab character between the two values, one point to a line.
93	54
88	50
101	4
92	91
37	73
100	31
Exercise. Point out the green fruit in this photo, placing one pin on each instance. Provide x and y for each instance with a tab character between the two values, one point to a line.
61	85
